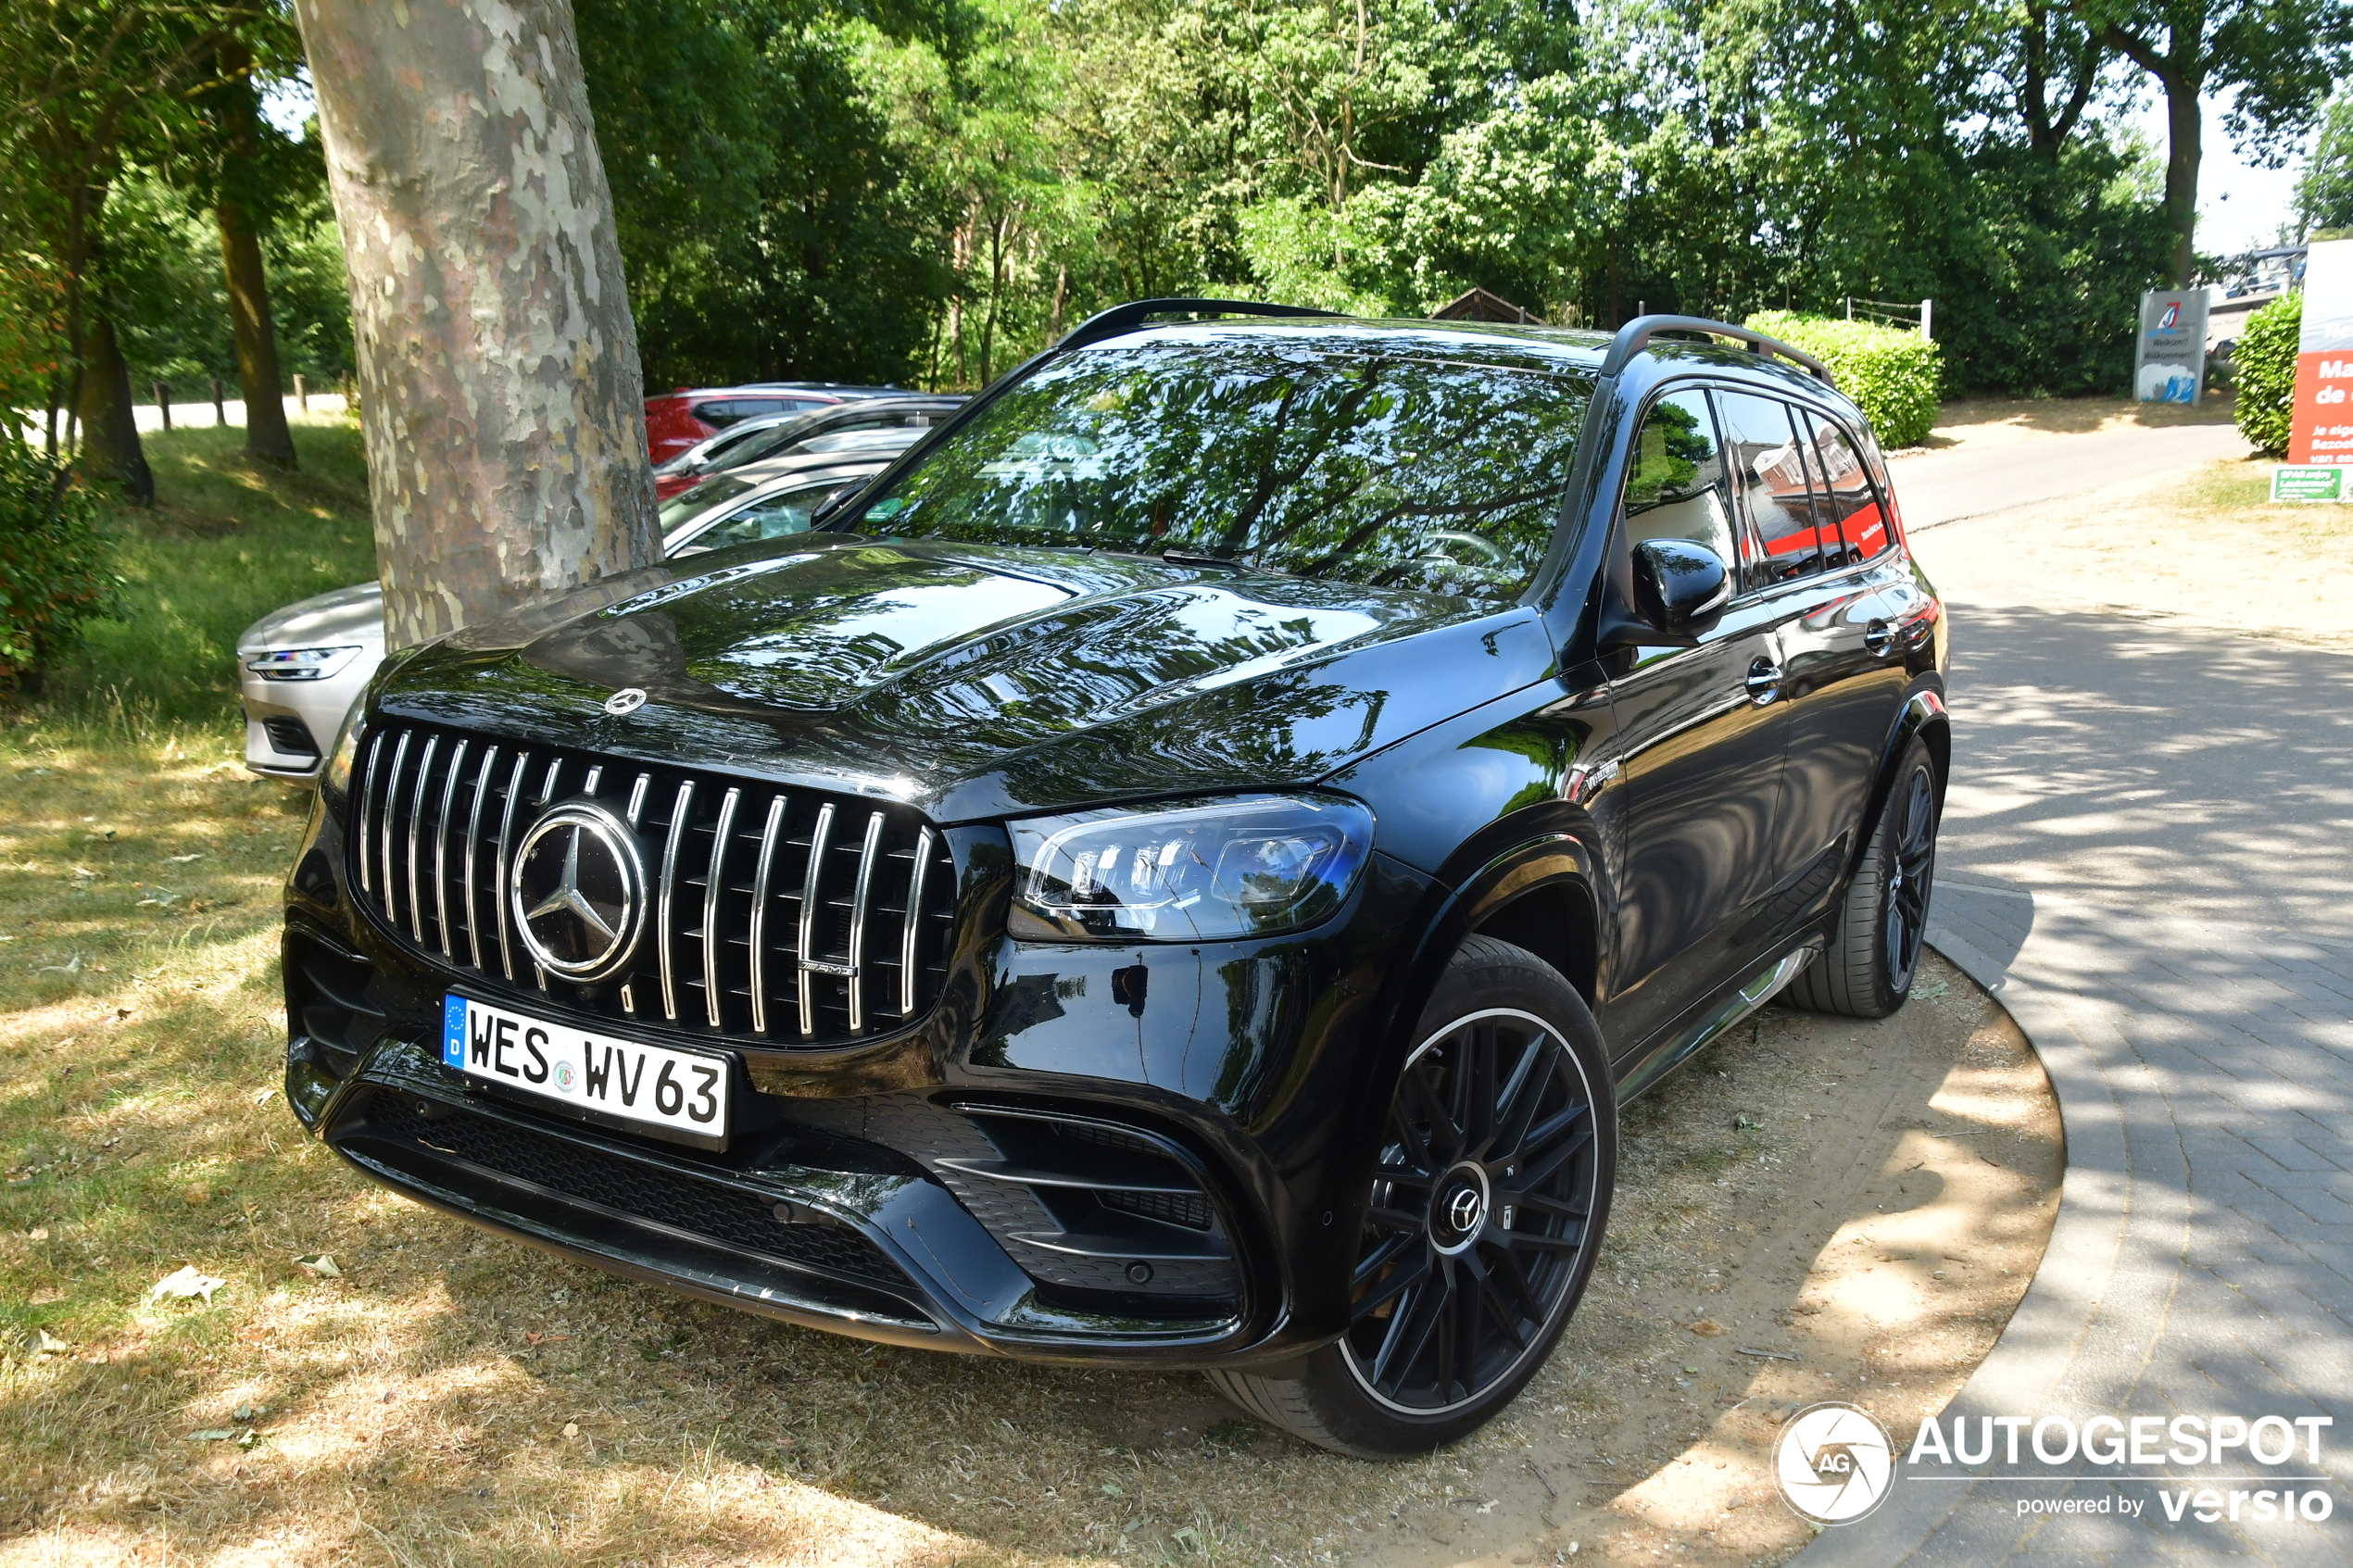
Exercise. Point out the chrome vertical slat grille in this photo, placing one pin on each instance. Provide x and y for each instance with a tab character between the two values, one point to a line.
665	913
441	847
807	947
835	908
860	901
761	902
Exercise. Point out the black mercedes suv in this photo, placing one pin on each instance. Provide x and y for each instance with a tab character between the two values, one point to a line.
1180	870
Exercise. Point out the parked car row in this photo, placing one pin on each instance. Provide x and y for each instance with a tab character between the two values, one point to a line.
678	421
300	669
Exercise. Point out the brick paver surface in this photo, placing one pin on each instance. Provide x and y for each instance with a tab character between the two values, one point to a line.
2147	855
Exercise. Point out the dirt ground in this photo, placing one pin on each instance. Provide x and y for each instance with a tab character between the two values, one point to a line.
2200	547
1868	1200
2002	421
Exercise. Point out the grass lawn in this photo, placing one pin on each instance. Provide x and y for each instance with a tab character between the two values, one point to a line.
443	1397
226	544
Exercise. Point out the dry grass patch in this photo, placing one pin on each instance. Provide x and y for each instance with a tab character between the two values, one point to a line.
452	1398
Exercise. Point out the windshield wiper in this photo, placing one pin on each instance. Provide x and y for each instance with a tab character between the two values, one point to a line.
1194	557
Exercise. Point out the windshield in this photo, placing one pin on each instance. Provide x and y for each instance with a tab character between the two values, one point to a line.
688	505
1370	468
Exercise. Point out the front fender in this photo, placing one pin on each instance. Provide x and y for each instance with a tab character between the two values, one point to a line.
1924	714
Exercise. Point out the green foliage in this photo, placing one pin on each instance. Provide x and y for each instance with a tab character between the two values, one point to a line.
228	541
56	570
1892	375
2264	365
2324	191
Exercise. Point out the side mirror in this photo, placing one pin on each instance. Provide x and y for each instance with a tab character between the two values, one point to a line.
1681	588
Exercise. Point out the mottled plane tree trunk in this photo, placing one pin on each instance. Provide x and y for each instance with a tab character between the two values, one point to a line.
500	393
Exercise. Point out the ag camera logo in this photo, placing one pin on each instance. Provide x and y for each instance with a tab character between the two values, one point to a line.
1832	1462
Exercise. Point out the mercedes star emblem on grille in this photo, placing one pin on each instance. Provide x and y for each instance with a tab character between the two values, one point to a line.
627	700
579	892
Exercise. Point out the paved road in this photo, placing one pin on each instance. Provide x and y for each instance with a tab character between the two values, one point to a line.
1941	487
2148	855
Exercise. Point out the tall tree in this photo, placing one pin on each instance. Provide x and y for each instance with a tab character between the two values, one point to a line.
79	79
2276	58
500	391
241	194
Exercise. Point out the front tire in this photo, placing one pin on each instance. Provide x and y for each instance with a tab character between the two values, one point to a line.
1867	970
1487	1203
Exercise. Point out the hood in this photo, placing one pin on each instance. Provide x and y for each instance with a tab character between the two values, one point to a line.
346	618
976	681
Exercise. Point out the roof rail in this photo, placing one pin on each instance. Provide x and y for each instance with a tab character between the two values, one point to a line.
1121	320
1636	334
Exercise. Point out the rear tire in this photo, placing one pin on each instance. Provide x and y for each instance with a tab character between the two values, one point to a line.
1489	1197
1867	970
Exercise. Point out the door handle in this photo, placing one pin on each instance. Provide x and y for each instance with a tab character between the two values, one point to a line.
1764	681
1877	638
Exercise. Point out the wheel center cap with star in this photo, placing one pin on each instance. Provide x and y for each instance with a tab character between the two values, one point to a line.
578	892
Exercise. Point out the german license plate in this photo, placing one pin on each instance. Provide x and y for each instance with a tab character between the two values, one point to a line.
655	1085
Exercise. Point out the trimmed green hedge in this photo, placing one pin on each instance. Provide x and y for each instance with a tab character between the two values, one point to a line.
1892	376
2263	365
57	566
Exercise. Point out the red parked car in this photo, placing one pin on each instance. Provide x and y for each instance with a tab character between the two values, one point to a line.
688	417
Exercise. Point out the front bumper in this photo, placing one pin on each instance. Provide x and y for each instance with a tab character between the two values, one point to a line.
1069	1165
289	724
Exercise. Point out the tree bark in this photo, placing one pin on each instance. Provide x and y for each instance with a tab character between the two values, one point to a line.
110	448
2184	146
267	438
501	395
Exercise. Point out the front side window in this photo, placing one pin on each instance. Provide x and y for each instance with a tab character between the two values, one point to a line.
1387	469
1676	488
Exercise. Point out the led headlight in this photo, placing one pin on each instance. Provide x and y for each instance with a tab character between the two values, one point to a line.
1188	872
300	664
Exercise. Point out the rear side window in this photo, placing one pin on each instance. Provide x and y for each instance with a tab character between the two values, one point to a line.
1853	504
772	517
734	411
1676	486
1771	458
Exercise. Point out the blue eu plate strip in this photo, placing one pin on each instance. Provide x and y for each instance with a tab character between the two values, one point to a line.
453	1032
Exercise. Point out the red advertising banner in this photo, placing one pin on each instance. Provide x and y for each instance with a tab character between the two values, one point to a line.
2323	428
2322	432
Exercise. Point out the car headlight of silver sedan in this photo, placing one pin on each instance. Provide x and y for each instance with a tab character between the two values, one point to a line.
1190	870
301	664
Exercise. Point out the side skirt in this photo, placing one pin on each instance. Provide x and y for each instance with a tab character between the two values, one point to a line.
1743	1000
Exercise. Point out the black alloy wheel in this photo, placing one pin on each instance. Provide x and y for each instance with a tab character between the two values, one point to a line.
1912	877
1866	968
1487	1202
1478	1210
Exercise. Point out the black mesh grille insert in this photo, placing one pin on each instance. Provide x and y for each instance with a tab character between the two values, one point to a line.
724	1214
291	736
1175	1208
788	917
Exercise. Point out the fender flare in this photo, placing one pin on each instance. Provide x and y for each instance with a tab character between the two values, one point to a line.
1924	715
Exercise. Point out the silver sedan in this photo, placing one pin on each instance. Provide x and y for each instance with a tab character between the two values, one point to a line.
300	669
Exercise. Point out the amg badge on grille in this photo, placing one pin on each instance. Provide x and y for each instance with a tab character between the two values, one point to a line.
579	891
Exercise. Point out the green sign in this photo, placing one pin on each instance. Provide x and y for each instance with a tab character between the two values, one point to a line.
2296	483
